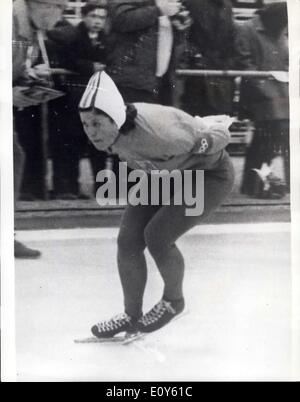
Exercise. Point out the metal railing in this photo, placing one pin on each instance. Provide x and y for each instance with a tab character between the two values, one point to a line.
227	73
240	12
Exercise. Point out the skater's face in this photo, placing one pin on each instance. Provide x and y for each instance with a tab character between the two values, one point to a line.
100	129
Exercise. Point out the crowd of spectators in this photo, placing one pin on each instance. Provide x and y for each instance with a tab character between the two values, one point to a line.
140	43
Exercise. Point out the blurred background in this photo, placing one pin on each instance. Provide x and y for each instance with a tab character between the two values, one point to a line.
221	61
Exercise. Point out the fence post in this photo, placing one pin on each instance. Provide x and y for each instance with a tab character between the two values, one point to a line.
45	138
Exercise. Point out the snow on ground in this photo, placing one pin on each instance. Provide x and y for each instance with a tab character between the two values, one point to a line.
237	288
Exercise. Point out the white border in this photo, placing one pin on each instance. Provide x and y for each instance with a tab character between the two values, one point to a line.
8	354
8	364
294	46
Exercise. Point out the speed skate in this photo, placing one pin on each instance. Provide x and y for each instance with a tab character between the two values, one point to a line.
127	338
121	339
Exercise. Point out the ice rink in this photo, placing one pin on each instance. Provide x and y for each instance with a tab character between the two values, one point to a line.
237	287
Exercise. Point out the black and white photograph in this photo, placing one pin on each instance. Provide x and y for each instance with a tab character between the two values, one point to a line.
150	193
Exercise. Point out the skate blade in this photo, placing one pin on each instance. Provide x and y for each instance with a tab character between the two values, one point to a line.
130	338
183	314
115	339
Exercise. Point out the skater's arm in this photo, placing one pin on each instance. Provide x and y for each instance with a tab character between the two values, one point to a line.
213	134
184	133
129	16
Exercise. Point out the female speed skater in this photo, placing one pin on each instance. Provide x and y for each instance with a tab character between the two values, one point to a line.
160	137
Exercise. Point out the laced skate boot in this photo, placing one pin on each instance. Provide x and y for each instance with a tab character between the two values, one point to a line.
112	327
161	314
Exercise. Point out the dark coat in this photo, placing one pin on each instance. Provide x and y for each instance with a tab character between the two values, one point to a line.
212	39
263	99
76	50
132	57
72	49
213	32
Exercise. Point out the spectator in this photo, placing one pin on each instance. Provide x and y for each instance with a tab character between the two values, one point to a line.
144	46
28	17
142	49
211	46
263	46
28	123
28	126
81	49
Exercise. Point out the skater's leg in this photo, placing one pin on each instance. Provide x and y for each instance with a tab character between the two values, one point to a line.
132	271
131	258
171	222
167	226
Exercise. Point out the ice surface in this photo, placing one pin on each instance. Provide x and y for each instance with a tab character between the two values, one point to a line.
237	289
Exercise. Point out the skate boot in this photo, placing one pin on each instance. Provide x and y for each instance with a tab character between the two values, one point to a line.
112	327
161	314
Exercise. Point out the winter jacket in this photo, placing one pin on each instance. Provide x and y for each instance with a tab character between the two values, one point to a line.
213	32
212	35
71	48
76	50
168	138
132	59
263	99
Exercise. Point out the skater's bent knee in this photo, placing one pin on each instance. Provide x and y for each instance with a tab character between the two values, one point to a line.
128	243
155	244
